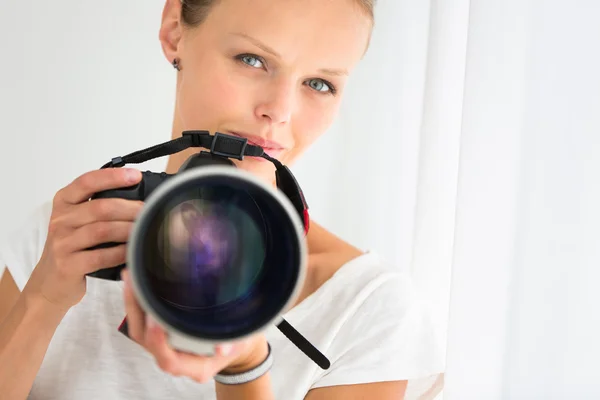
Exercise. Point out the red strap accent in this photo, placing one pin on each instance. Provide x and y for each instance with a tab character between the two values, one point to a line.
306	221
123	327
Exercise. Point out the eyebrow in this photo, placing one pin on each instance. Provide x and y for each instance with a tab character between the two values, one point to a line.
335	72
267	49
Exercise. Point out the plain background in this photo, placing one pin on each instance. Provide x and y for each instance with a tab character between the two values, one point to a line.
524	321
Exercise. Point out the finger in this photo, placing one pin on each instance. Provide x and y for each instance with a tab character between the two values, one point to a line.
226	349
83	187
177	363
98	233
199	368
136	324
87	261
155	342
202	369
106	209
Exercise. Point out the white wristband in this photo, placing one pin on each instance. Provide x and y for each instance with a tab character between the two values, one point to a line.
247	376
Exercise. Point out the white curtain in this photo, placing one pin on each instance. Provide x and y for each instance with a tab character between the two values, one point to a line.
524	320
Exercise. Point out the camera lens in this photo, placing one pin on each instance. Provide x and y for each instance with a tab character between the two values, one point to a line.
216	255
209	246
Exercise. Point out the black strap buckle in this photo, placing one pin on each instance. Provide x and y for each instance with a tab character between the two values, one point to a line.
117	162
228	146
197	137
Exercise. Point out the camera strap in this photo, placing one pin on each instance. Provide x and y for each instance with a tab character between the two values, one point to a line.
235	147
228	146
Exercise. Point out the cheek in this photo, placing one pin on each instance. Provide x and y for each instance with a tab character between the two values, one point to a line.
314	119
208	99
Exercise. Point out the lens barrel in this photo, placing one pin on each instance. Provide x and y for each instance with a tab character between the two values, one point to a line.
216	254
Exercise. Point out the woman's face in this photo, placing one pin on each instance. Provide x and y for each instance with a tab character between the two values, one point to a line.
271	71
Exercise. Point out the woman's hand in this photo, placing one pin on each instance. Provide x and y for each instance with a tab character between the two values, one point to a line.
76	225
229	358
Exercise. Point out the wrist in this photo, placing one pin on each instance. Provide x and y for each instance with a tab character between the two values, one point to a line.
255	356
41	309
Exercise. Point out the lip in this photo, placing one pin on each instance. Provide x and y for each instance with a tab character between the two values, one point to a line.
273	149
258	141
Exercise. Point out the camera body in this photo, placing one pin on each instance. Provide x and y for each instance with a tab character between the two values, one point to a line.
141	191
216	254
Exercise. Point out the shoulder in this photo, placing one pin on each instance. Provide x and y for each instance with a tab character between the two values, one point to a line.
360	284
378	324
371	290
23	246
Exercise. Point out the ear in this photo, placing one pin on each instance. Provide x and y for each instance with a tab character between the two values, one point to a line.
171	29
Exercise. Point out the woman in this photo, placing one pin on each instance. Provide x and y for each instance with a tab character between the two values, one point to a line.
273	72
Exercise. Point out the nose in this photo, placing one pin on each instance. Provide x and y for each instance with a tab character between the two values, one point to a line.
278	104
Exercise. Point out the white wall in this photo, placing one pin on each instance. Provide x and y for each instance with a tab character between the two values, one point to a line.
524	320
77	90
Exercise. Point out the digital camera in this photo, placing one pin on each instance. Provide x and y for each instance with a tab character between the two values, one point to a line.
215	254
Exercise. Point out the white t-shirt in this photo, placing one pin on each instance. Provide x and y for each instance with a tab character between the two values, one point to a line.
366	319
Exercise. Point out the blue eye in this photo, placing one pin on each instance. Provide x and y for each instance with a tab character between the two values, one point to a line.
251	60
321	86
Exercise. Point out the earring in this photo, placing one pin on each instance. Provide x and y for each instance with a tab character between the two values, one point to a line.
176	65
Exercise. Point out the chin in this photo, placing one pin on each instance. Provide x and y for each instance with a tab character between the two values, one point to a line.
259	167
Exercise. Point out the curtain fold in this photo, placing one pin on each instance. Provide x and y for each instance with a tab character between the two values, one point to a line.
523	310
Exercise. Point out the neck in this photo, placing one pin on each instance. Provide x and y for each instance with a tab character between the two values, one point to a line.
176	160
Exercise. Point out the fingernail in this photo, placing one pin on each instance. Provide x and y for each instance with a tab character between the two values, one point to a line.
150	322
226	349
132	175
